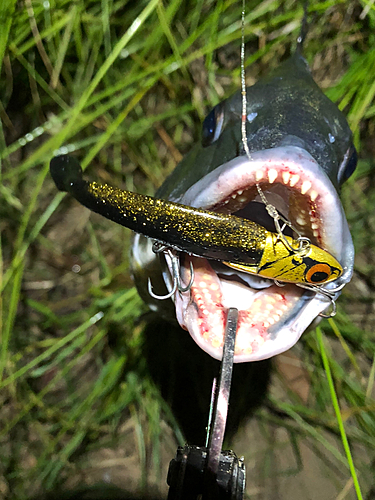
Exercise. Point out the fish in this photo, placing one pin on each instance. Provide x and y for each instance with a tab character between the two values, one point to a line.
239	243
301	151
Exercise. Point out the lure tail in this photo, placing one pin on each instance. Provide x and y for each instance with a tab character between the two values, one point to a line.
66	173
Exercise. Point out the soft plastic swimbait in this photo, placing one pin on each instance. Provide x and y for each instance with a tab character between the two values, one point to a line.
240	243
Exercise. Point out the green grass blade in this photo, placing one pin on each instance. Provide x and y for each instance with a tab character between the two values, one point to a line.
336	407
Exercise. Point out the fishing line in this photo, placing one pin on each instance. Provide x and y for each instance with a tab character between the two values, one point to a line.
243	85
303	242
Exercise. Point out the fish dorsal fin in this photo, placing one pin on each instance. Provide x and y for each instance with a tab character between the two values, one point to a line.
304	28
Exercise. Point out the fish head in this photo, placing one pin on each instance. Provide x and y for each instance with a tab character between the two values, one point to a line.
301	151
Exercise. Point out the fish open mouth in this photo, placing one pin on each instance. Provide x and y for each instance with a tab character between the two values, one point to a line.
271	318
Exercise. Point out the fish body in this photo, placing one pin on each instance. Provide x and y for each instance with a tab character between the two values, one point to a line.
301	151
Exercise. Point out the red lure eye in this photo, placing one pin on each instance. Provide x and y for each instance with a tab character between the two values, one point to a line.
318	273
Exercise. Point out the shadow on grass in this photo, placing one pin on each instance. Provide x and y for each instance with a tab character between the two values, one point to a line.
97	492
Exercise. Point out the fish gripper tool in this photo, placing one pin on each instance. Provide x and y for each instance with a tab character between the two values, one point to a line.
208	472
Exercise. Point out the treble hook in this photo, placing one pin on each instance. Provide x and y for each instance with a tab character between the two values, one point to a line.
176	274
330	294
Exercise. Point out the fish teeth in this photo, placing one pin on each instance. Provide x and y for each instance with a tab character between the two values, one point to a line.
294	179
216	343
235	195
272	175
306	185
313	195
286	177
258	175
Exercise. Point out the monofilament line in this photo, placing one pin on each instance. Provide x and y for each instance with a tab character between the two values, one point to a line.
272	211
243	84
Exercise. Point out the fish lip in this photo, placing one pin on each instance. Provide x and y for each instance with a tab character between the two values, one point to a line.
335	237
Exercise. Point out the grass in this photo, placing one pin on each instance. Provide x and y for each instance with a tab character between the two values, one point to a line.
125	85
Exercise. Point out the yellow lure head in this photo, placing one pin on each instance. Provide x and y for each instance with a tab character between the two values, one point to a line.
312	266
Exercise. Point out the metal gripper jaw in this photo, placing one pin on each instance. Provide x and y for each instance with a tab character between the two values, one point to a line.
209	473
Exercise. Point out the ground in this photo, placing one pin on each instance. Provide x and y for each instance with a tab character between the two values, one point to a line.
94	389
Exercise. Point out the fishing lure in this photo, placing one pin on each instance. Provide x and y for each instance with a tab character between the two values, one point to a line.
239	243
